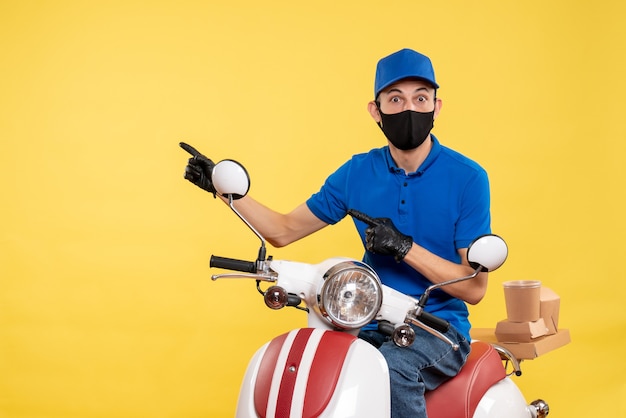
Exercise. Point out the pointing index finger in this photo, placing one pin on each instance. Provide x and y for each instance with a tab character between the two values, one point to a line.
191	150
363	217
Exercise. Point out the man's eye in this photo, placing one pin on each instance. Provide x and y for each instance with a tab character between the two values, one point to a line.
395	100
422	99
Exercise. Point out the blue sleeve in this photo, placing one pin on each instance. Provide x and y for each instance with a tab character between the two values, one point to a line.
475	219
329	204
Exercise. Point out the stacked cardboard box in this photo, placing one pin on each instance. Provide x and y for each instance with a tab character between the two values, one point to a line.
546	324
525	351
527	340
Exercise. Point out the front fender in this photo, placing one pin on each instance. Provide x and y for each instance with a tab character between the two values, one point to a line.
311	372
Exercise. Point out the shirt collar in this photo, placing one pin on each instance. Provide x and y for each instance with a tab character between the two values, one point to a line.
430	159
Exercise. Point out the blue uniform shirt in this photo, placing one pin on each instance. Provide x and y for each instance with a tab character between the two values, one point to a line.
444	206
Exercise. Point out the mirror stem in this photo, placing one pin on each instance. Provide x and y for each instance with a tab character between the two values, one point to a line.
262	251
424	298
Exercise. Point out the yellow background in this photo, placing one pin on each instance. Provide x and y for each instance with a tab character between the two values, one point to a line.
106	306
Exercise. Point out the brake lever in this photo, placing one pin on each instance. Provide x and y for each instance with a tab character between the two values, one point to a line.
260	277
411	318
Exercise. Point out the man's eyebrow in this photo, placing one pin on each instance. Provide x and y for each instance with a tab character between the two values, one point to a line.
397	90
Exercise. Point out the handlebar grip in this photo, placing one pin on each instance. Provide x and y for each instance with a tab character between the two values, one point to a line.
232	264
435	322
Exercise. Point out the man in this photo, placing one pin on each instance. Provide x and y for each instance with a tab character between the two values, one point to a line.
438	198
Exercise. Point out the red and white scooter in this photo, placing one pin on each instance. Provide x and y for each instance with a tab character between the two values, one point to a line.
324	370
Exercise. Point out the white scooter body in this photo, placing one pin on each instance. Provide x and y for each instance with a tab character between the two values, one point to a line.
357	362
361	387
504	399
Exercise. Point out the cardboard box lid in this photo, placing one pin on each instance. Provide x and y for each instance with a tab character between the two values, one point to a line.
525	351
547	294
507	331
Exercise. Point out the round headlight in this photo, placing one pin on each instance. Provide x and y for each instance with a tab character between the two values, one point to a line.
351	295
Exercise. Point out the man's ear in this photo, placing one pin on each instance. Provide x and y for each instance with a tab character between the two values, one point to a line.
373	109
438	106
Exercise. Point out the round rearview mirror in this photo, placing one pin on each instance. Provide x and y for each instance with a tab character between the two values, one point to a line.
488	251
230	179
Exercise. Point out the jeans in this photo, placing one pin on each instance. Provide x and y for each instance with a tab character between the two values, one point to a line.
423	366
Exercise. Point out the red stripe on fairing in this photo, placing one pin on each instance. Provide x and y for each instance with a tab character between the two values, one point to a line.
321	380
266	372
288	381
325	371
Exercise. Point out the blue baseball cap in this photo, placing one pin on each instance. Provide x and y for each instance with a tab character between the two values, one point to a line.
405	63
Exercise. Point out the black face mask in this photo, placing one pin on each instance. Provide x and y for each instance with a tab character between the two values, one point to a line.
408	129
